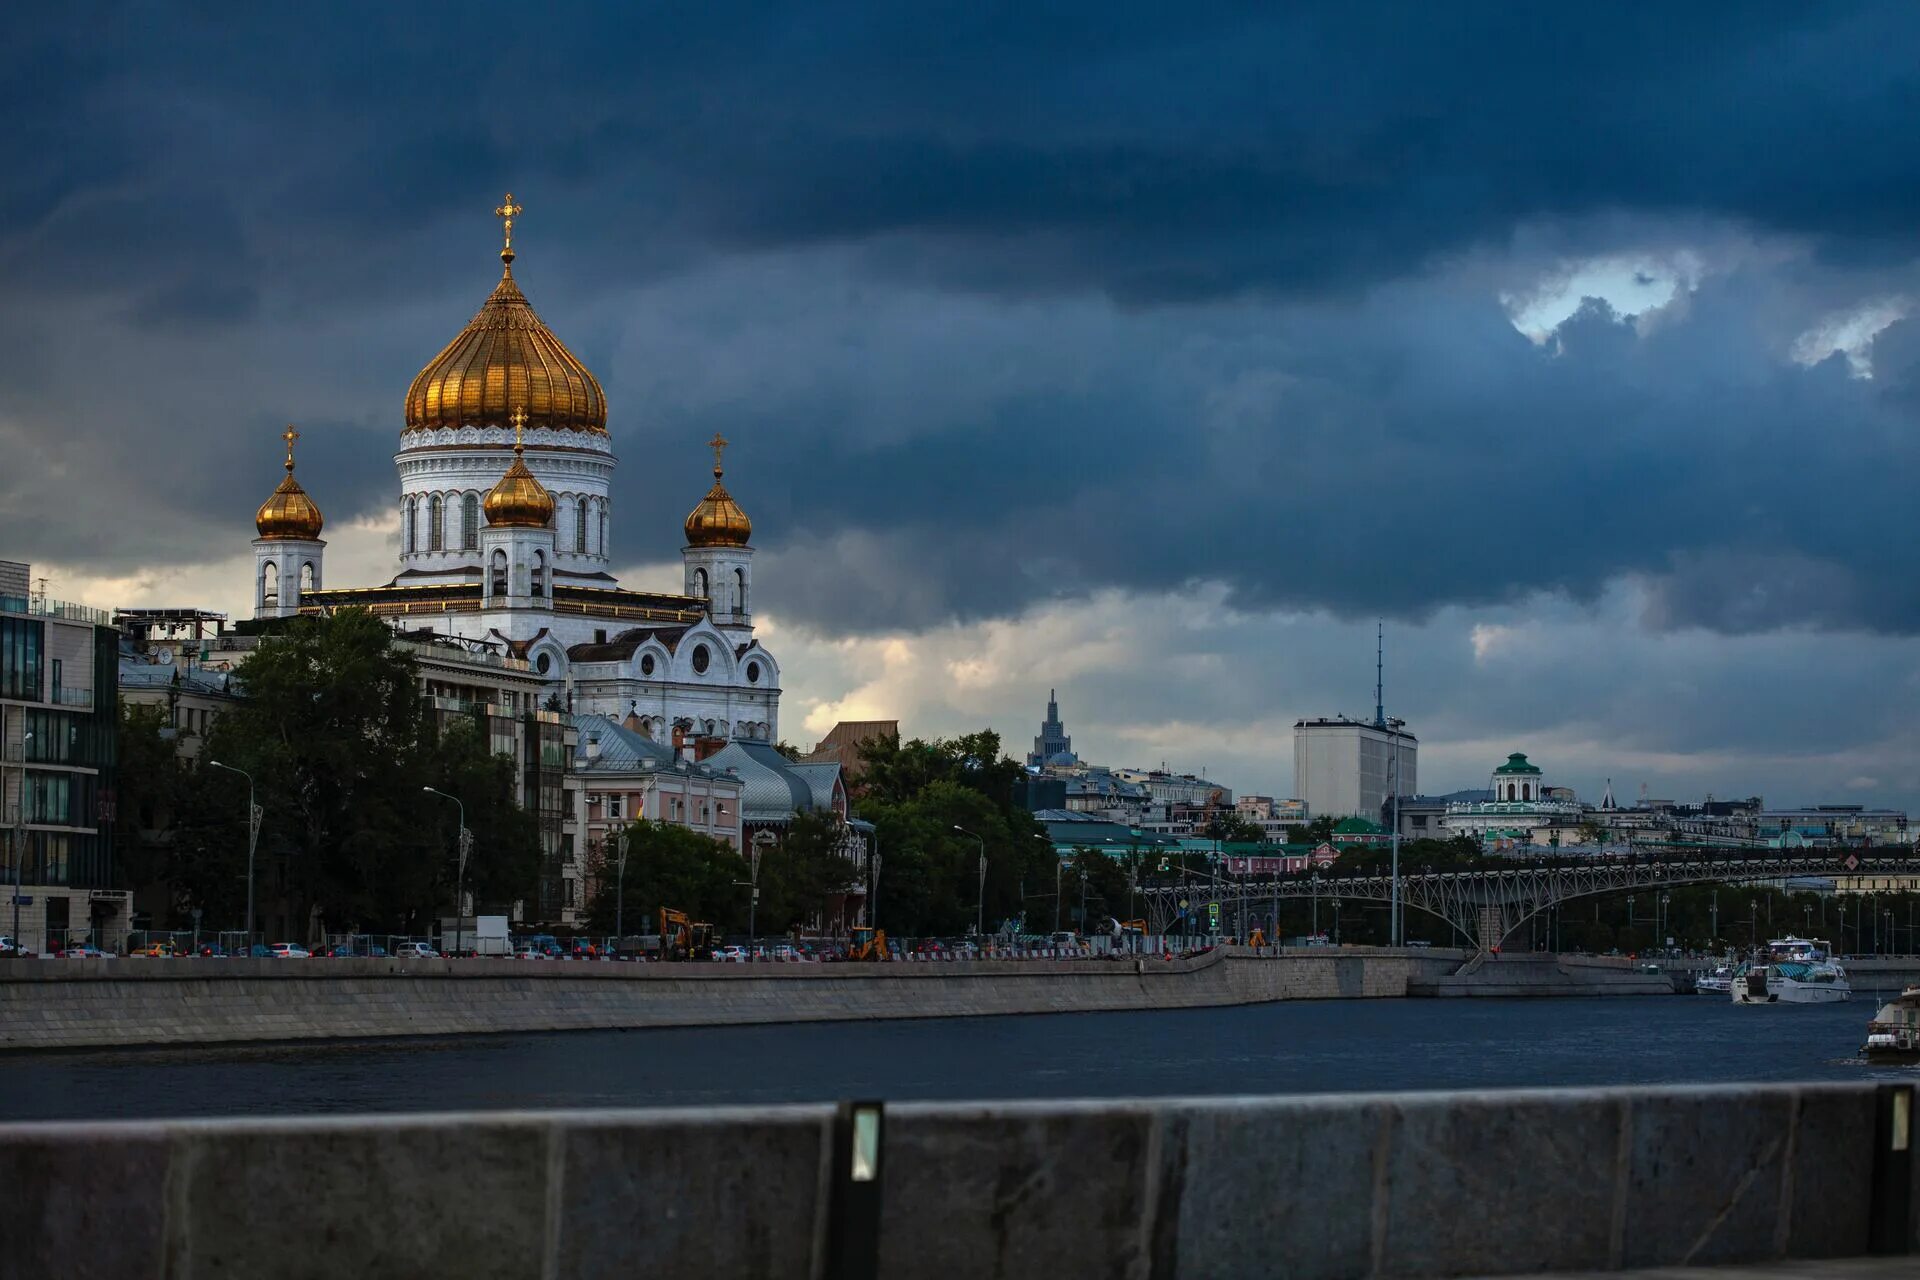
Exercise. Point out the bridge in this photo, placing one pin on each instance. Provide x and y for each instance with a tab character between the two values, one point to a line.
1485	906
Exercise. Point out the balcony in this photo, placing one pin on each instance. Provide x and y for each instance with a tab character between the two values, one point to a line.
72	698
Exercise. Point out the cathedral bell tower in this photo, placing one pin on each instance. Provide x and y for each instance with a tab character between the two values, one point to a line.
717	559
288	554
516	547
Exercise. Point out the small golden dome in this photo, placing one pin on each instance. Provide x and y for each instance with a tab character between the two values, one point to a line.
289	512
718	521
518	500
504	358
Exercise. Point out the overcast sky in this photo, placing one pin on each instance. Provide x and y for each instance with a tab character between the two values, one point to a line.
1149	352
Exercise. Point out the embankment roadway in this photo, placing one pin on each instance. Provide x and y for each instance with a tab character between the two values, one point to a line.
46	1004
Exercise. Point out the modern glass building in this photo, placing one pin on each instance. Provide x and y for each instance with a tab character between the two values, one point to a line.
59	721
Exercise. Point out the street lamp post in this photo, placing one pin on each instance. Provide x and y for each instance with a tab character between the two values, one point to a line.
1393	913
20	835
620	890
253	841
460	873
981	926
759	843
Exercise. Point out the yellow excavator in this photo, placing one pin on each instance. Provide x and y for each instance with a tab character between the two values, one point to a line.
868	944
682	938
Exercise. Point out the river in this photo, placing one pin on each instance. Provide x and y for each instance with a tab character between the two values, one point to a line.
1300	1047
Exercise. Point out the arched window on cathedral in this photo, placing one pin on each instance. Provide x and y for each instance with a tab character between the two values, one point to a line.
406	523
309	580
603	528
269	584
499	573
470	522
739	590
580	528
436	526
539	573
700	583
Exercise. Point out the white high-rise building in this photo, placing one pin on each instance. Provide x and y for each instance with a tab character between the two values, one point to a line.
1347	768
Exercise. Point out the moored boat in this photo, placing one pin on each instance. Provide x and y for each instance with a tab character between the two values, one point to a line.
1794	971
1894	1033
1717	983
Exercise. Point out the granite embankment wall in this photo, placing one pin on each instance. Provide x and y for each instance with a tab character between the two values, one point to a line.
1322	1188
48	1004
1525	974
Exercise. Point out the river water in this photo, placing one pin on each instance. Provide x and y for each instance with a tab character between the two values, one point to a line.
1302	1047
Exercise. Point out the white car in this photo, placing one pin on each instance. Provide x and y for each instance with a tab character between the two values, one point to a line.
531	953
290	951
734	953
414	951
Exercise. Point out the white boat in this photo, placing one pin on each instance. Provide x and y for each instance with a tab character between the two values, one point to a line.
1894	1033
1717	983
1794	971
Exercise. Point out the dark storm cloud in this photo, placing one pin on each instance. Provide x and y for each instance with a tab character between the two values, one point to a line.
1228	258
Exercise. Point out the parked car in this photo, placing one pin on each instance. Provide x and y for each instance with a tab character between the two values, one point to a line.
81	951
155	950
733	953
531	953
289	951
212	951
414	951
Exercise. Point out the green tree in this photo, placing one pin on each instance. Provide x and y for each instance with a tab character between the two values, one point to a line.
801	871
1231	828
668	866
148	780
339	746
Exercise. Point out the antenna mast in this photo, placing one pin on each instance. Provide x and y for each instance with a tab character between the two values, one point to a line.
1379	674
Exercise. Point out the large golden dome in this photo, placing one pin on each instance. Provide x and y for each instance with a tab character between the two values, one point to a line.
506	358
519	500
289	513
718	521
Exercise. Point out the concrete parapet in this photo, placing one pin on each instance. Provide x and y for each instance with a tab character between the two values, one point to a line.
79	1004
1319	1188
1533	974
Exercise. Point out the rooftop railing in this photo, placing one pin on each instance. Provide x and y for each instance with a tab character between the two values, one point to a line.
42	607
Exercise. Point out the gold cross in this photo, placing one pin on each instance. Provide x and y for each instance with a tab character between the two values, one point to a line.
290	435
719	446
507	213
519	420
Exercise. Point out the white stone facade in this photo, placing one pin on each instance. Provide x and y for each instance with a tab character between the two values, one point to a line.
284	571
444	478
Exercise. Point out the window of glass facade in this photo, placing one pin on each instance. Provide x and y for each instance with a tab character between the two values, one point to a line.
22	641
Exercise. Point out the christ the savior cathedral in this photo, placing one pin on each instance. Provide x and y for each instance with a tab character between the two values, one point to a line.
506	473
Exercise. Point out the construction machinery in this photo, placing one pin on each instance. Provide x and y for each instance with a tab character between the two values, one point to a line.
868	944
682	938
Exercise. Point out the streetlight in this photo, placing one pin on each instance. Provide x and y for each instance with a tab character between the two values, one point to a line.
981	927
1393	913
253	841
460	875
761	839
620	890
20	837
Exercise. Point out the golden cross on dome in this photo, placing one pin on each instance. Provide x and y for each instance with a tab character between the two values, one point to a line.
519	421
290	435
719	446
507	212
